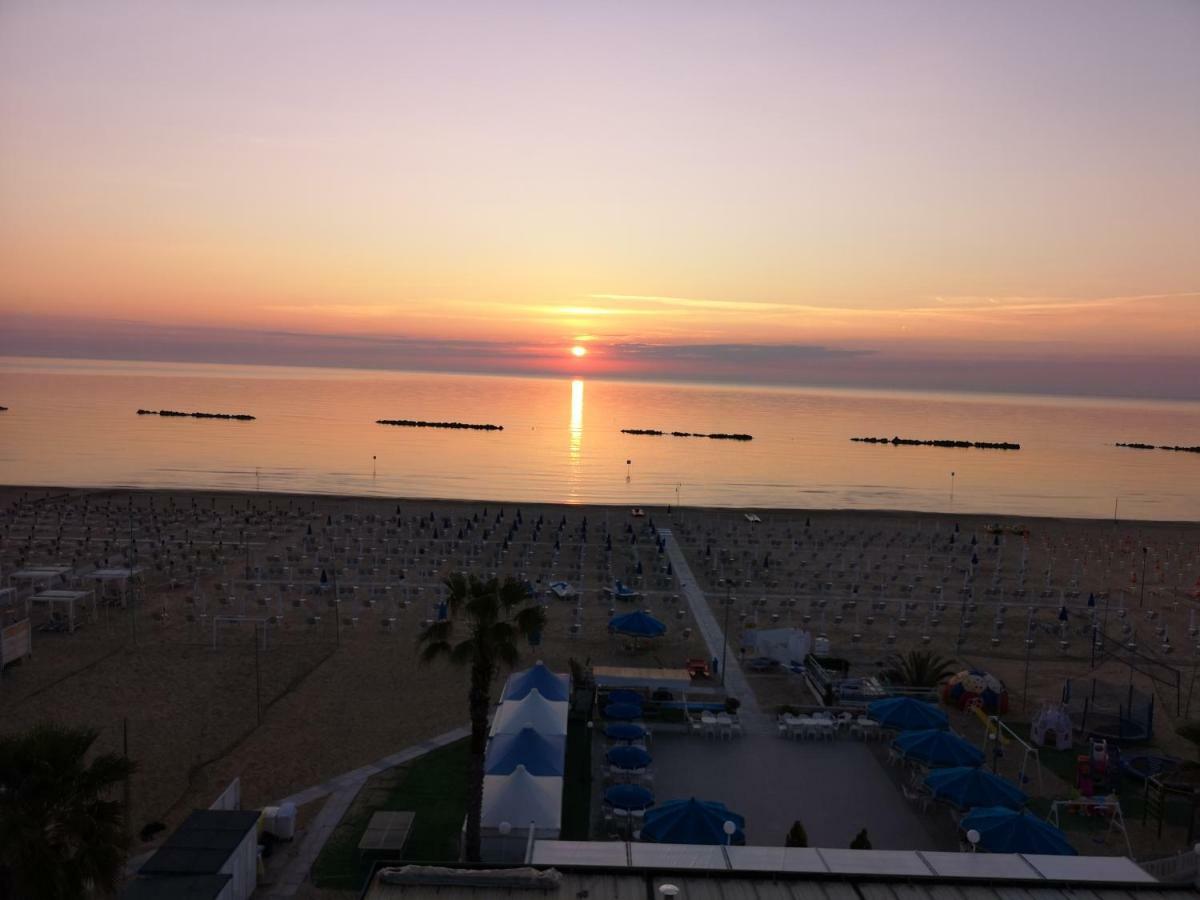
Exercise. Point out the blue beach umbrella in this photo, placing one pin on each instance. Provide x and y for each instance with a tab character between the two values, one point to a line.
907	714
935	747
628	796
624	731
966	788
622	711
540	754
692	821
1003	830
539	678
637	624
626	757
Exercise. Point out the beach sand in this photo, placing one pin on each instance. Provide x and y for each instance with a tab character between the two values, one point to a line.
318	700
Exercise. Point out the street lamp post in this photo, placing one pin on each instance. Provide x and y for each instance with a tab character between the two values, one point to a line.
1145	556
725	633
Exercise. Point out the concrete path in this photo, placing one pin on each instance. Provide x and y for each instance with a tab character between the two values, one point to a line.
754	721
341	792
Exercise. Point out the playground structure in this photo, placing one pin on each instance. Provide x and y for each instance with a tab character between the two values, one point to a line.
1108	807
1101	709
1051	727
973	687
998	737
1098	772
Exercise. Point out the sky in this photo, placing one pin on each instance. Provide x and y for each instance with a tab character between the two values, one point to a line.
904	193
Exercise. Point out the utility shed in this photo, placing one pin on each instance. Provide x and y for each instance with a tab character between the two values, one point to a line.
211	842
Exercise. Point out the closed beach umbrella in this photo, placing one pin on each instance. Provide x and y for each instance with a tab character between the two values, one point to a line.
907	714
692	821
629	757
628	797
622	711
1003	830
637	624
935	747
549	684
541	755
624	731
967	788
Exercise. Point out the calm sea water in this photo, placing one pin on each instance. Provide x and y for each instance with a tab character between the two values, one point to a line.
73	422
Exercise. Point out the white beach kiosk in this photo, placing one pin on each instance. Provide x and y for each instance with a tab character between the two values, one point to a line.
520	807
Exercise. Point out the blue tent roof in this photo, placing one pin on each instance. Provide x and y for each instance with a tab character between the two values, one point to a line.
637	624
626	757
907	714
692	821
938	748
1002	830
967	788
540	754
549	684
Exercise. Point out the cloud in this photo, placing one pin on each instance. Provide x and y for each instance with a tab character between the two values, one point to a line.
751	355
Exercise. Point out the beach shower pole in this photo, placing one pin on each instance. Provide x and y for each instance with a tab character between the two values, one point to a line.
725	633
1142	597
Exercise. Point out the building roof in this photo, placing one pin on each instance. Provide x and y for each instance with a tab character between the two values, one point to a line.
203	843
176	887
619	870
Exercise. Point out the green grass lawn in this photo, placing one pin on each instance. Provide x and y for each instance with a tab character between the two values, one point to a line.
433	787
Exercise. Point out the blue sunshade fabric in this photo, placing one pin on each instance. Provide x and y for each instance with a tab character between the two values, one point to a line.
967	788
629	757
637	624
907	714
548	684
629	796
692	821
1003	830
540	754
937	748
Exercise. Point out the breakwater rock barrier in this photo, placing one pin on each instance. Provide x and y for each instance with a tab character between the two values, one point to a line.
912	442
716	436
241	417
1177	449
417	423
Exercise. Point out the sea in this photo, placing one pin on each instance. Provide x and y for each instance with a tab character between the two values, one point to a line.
74	423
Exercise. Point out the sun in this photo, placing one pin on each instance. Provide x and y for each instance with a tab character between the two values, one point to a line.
578	351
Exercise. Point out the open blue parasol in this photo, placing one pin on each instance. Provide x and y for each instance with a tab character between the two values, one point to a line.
907	714
938	748
967	788
628	797
622	711
637	624
629	757
624	731
1003	830
692	821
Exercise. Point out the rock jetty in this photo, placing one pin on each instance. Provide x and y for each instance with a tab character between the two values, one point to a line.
1177	449
716	436
912	442
417	423
241	417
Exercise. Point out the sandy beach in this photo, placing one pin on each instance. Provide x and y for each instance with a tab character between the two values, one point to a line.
327	691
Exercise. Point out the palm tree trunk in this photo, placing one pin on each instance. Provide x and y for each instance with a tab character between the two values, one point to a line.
480	701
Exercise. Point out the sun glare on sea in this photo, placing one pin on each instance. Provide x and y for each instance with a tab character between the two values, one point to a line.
578	351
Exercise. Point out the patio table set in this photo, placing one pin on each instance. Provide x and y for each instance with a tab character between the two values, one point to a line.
719	725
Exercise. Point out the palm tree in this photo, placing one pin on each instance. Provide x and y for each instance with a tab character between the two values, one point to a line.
918	668
485	622
59	834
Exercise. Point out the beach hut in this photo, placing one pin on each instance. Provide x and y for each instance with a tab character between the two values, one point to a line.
907	714
937	748
1003	830
533	711
550	685
541	755
516	806
967	787
692	821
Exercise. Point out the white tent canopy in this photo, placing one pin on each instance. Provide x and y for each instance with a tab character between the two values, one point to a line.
520	799
783	645
533	711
